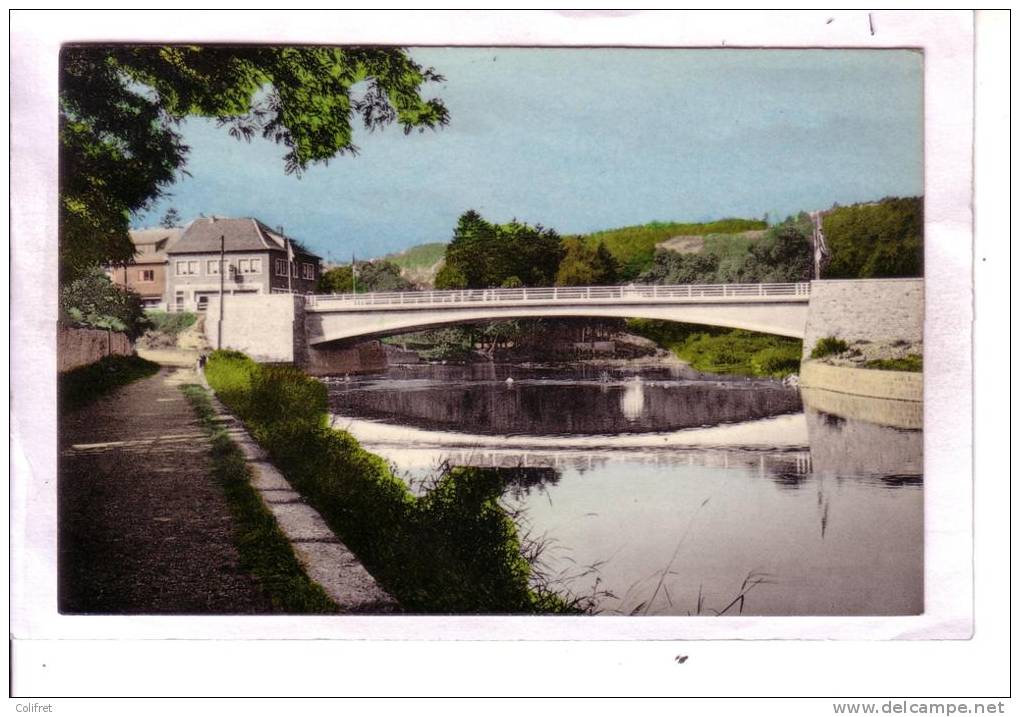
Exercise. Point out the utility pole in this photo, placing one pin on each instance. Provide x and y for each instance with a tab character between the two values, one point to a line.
354	275
219	326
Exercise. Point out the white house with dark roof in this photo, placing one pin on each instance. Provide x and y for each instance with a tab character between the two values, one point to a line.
257	259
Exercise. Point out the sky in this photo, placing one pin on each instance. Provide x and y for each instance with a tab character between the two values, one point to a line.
586	139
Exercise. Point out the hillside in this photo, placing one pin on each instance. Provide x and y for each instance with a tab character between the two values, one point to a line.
419	263
634	246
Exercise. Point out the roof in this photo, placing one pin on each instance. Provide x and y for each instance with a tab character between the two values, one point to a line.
202	236
151	245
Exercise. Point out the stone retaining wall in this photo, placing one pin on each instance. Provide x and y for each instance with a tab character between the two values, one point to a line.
80	347
897	385
865	310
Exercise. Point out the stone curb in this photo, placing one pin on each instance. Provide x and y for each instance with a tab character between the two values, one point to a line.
324	557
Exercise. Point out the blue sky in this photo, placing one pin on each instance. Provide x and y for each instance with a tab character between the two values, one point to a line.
581	140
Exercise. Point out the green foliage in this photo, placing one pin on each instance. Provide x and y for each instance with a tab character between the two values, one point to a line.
585	265
483	255
911	362
783	254
726	351
378	275
263	549
884	239
119	105
338	280
85	384
171	324
450	550
777	361
828	346
94	301
634	247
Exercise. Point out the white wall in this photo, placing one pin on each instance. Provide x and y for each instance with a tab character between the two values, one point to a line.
261	326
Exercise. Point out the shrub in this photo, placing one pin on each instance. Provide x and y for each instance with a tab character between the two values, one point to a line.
171	324
776	361
828	346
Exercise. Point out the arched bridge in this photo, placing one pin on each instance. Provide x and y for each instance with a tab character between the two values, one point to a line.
770	308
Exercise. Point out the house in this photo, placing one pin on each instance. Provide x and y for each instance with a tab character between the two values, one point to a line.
146	273
255	260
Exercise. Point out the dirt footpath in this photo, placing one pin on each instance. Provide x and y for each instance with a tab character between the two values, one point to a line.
143	528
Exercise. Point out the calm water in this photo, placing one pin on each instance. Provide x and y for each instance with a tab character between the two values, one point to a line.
658	493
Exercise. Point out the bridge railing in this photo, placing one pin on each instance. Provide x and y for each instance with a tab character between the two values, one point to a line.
597	294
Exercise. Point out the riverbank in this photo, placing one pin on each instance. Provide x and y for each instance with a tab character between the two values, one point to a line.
450	549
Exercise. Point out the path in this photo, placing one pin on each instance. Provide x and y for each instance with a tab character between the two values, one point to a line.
144	529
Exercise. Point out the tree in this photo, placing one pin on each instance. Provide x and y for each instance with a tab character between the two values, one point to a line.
881	239
584	265
171	219
381	275
483	255
93	300
338	280
120	105
378	275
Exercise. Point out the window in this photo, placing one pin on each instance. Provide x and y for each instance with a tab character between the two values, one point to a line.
179	300
243	266
147	275
202	302
212	267
186	268
308	271
293	269
256	266
281	267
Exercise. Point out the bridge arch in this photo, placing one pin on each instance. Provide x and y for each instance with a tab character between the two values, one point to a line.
780	309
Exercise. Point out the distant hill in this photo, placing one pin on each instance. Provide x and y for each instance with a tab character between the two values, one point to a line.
420	263
634	247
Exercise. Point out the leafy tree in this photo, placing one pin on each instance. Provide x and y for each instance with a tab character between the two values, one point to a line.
120	105
584	265
882	239
483	255
381	275
669	267
338	280
378	275
94	301
171	219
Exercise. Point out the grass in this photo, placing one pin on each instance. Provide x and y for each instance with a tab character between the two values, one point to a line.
81	386
911	362
264	550
421	256
724	351
452	549
634	246
828	346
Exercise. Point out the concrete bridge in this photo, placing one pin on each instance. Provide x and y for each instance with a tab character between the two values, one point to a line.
327	333
768	308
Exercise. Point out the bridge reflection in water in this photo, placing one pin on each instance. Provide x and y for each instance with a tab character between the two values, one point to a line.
828	507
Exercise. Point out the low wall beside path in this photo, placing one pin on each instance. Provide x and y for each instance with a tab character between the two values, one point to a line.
79	347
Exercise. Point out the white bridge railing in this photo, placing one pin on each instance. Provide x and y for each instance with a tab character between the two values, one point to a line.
567	294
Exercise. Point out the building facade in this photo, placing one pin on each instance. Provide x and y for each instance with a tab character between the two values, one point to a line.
146	274
253	259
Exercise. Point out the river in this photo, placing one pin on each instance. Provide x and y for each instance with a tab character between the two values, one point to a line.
664	492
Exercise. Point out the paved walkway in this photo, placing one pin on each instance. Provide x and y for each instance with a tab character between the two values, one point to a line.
143	527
